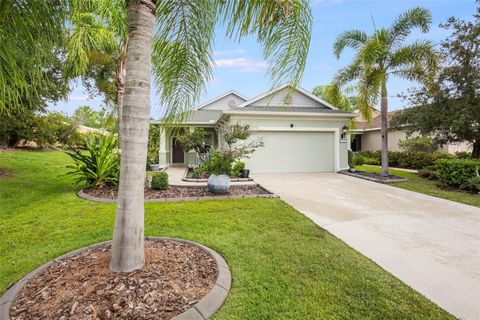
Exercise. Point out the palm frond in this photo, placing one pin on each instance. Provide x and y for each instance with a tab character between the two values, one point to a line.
354	39
414	61
30	32
283	28
417	17
182	57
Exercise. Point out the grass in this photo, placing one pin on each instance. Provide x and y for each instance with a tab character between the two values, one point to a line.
283	266
419	184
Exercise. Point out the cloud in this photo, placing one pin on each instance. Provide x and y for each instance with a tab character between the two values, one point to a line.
242	64
228	52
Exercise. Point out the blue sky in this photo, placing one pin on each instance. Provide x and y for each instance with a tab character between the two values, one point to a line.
241	67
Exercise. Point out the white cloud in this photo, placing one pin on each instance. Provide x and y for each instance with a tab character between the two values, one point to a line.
243	64
228	52
79	98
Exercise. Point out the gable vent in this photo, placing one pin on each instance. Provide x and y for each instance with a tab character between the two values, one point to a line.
232	103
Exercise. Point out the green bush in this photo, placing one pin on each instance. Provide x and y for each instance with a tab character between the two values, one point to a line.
371	161
411	160
456	172
358	159
418	144
463	155
218	163
472	184
427	173
159	181
237	167
350	159
99	163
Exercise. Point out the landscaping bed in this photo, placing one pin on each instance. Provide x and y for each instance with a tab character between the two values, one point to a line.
190	176
182	192
373	176
176	275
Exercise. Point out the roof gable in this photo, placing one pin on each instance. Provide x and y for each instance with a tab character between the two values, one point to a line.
226	101
282	97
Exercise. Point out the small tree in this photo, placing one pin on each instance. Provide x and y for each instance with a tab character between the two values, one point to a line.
239	146
193	140
448	106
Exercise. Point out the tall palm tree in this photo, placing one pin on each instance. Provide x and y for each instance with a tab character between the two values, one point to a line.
96	45
342	99
183	33
383	55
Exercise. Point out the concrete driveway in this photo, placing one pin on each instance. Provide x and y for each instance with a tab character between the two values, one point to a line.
431	244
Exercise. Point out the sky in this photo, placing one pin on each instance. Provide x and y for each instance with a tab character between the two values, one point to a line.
241	67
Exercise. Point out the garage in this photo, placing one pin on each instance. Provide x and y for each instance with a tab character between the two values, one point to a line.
293	151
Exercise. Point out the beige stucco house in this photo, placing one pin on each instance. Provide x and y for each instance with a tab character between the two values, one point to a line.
367	136
301	133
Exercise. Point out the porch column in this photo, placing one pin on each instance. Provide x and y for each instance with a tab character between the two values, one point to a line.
163	152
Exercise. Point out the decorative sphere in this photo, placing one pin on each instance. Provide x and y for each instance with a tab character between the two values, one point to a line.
218	183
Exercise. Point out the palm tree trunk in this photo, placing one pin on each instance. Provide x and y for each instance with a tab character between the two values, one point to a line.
476	149
120	88
384	129
128	236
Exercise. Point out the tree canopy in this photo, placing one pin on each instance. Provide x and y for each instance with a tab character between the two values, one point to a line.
448	106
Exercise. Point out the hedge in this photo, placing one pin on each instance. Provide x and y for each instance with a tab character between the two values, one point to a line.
456	172
411	160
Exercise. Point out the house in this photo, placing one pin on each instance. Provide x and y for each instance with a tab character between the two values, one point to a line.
301	133
367	136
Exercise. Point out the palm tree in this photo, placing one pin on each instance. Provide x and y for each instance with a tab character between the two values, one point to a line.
342	99
182	46
31	32
96	45
383	55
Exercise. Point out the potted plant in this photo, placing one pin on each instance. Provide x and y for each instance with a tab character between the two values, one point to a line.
244	173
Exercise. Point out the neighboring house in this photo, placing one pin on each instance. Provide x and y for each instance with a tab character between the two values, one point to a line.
301	132
367	136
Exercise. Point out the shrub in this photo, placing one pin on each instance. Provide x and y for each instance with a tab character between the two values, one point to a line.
427	173
219	162
358	160
463	155
416	144
412	160
350	159
237	167
472	184
159	181
456	172
99	163
372	161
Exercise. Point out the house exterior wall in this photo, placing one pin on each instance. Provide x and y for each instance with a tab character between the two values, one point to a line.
222	103
276	100
371	141
258	124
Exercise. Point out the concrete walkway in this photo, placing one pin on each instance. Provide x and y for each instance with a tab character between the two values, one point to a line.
431	244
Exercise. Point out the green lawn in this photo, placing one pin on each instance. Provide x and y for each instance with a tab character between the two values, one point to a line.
283	266
418	184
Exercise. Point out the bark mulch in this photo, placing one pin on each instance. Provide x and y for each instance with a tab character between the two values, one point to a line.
176	276
106	192
4	173
372	176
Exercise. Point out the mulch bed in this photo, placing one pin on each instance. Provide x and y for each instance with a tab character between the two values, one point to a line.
176	276
179	192
372	176
4	173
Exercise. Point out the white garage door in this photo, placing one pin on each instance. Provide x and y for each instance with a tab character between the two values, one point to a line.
293	152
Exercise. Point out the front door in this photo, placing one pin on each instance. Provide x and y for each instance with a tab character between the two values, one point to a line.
177	152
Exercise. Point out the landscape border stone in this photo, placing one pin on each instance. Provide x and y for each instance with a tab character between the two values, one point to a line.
388	180
202	310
